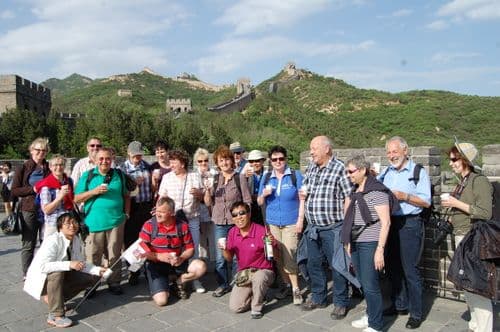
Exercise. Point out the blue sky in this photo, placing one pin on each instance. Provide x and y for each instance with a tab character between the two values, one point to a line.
393	46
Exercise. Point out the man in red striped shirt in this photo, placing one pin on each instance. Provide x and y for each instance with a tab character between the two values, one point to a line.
171	246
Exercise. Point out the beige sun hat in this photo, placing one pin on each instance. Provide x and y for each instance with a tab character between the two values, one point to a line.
468	151
256	155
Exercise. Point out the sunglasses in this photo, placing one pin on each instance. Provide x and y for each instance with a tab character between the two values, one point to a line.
203	161
237	152
95	145
277	159
255	161
454	159
352	171
239	213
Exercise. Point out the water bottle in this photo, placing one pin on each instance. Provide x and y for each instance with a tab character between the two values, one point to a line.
268	248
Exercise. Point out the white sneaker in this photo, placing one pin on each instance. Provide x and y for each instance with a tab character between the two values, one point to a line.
360	323
198	286
369	329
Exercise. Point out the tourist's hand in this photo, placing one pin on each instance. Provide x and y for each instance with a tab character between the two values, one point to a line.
347	249
101	271
450	202
379	259
401	196
299	226
77	265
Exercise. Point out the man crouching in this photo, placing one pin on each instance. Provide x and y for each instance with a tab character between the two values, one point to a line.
255	272
59	272
171	246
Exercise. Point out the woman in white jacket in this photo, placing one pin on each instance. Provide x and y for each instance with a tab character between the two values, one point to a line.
59	271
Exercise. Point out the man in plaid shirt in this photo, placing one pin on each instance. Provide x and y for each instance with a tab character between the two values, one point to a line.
326	187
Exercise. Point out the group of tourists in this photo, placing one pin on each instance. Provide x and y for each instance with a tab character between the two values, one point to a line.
261	226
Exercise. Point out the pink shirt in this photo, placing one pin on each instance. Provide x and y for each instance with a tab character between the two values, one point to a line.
249	250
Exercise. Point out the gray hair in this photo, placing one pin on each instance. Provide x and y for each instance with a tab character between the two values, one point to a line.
402	143
359	162
43	141
200	152
166	200
57	157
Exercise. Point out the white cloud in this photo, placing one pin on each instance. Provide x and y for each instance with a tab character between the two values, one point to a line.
392	80
7	15
445	58
398	13
471	9
231	54
90	36
437	25
249	16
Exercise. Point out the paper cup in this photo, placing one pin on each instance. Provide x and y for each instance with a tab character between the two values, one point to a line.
173	254
304	188
156	172
376	167
445	196
222	242
104	185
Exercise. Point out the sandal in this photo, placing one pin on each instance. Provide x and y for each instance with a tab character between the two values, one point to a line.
61	321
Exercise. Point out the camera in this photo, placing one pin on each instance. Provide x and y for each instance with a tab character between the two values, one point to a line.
443	228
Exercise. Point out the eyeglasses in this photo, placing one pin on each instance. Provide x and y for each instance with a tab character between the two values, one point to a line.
255	161
95	145
352	171
104	159
58	165
239	213
277	159
203	161
454	159
39	150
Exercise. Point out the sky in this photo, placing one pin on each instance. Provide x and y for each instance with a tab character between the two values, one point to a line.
393	46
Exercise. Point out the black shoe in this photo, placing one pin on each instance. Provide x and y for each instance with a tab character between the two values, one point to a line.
310	305
413	323
221	291
133	279
116	290
338	313
181	291
395	312
90	293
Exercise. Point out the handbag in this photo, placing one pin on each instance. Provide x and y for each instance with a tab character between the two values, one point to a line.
12	224
243	278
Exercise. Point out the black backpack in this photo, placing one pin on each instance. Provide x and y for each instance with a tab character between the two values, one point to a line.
236	178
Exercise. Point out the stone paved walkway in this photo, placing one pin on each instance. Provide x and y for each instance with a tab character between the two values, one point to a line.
134	311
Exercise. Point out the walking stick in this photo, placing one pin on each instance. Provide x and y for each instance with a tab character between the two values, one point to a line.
94	287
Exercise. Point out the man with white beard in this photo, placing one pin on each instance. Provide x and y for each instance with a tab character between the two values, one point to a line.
406	236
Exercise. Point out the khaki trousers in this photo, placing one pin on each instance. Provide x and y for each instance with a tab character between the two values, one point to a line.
108	243
253	296
62	286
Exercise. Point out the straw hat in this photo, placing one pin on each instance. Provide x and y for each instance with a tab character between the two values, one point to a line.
468	151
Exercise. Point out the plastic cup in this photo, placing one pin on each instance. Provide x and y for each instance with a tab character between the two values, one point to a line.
222	242
445	196
104	185
376	167
304	188
107	274
173	254
156	173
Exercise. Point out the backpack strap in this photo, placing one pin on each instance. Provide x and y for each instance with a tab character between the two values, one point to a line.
236	178
381	179
154	232
416	173
293	175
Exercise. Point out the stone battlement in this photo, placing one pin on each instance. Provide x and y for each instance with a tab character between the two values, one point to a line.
18	92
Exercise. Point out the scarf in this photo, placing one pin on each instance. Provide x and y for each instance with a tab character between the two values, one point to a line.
371	184
51	182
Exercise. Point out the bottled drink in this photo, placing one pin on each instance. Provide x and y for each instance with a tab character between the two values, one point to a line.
268	248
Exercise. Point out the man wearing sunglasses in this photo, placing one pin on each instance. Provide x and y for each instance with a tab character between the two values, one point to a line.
239	162
246	242
406	235
89	162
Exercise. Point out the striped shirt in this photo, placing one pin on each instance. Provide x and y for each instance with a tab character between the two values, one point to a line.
142	170
167	239
372	199
327	189
178	188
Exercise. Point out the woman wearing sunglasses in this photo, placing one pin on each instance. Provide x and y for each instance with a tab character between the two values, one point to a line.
284	215
469	204
364	233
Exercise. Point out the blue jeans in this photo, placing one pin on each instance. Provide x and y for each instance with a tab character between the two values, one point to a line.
362	254
404	250
317	251
221	266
